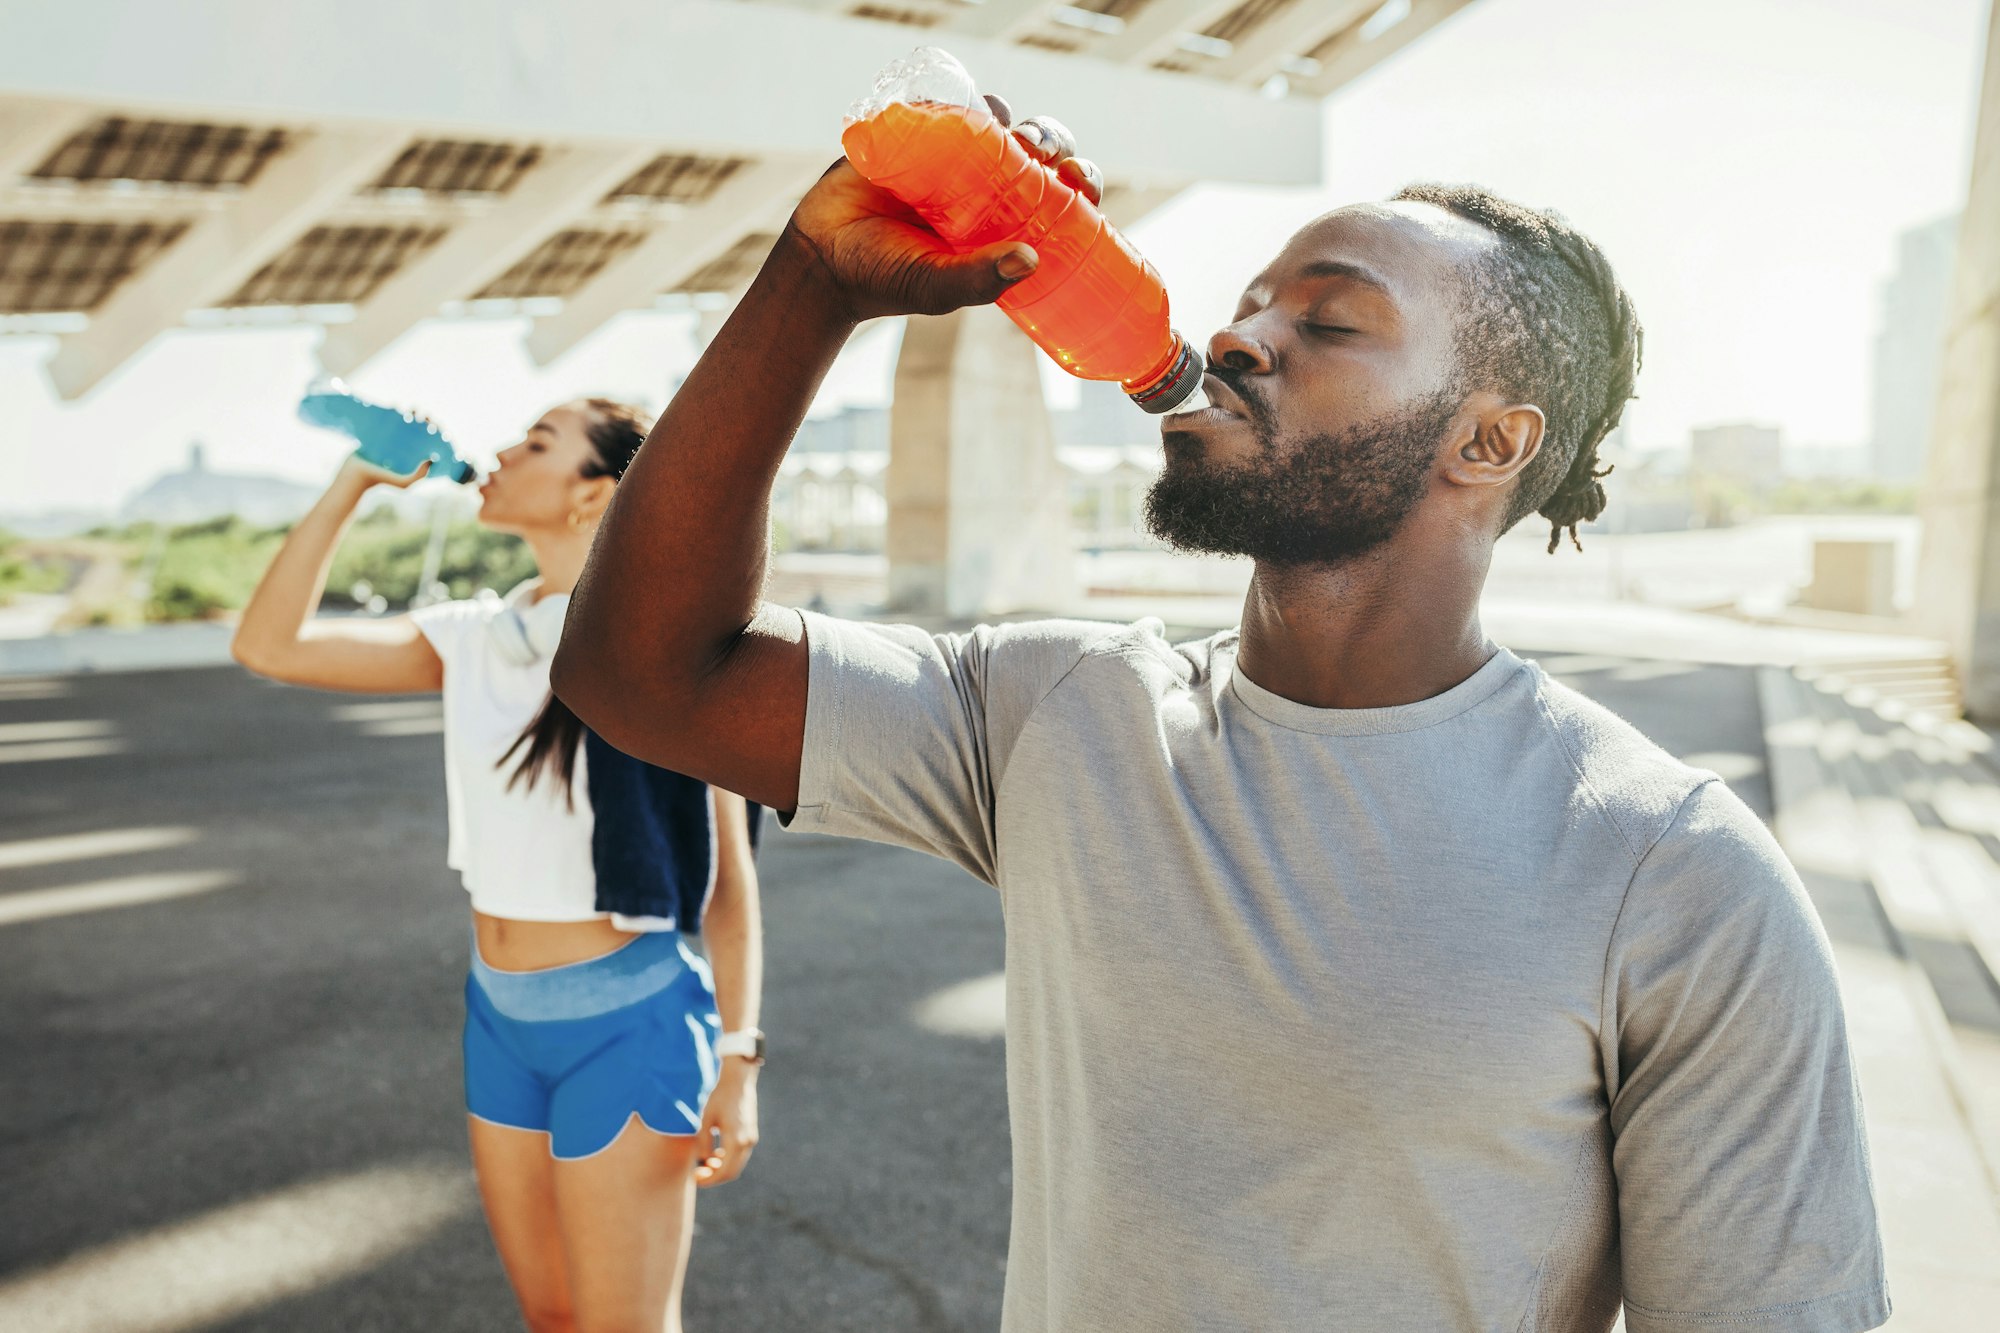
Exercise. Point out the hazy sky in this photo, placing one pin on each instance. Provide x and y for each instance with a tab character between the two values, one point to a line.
1747	164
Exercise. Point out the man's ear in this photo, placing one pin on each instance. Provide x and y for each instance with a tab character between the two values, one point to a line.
1504	441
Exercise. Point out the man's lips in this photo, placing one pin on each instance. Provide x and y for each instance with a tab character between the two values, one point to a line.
1224	403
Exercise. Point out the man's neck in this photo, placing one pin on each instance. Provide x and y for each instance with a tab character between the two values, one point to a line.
1392	626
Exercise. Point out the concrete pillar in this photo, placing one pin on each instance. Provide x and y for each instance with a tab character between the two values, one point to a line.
978	516
1958	591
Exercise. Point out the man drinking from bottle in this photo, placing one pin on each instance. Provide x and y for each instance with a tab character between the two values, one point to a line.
1359	975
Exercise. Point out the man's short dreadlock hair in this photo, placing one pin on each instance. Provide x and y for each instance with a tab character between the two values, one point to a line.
1547	324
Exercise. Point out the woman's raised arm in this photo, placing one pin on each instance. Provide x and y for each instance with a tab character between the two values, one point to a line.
278	637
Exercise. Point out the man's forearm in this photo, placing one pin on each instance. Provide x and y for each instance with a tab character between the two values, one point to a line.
678	567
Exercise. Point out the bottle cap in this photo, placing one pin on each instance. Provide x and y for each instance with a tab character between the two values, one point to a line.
1167	393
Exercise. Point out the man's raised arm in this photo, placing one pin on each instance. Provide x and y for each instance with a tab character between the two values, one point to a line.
668	652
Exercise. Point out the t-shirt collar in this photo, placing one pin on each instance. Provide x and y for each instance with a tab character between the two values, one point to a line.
1499	668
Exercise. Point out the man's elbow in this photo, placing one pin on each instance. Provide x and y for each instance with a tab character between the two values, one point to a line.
575	677
600	685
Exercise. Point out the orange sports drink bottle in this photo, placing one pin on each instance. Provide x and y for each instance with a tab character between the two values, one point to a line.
925	135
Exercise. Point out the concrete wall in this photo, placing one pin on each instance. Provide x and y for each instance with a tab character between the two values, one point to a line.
154	647
1958	594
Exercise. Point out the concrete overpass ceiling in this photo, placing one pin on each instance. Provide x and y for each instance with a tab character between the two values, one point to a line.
49	267
561	264
124	209
334	265
192	154
731	270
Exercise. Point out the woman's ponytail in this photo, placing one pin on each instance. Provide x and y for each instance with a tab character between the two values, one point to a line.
550	742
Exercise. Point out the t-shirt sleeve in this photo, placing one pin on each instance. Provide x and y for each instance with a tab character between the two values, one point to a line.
450	625
1744	1195
908	732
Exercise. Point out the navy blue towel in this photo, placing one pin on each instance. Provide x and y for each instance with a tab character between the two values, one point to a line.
650	839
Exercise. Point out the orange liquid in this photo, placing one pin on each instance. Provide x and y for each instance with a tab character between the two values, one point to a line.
1093	304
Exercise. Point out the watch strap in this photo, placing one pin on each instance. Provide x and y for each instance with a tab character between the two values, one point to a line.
746	1042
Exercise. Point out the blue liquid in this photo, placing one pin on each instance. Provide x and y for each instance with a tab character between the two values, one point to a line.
397	442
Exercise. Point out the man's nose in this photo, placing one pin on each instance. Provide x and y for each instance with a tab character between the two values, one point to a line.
1238	347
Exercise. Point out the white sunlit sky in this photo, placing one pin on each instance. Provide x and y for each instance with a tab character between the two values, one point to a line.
1747	164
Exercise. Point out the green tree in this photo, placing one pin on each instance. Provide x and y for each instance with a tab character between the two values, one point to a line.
387	554
22	572
210	567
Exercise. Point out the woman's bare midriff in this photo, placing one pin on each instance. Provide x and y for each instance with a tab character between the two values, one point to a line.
526	946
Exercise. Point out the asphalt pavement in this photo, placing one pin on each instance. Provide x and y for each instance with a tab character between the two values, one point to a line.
230	969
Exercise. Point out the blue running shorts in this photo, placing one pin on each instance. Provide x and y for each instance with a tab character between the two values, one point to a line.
576	1051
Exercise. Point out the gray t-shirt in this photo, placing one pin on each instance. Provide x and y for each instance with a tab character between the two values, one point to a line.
1479	1013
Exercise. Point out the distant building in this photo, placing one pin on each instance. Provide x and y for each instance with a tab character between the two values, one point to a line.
852	430
1837	462
1107	493
828	501
1740	453
831	490
1650	491
1909	350
196	494
1104	418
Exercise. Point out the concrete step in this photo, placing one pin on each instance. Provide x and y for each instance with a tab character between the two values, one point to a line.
1933	816
1902	939
1905	685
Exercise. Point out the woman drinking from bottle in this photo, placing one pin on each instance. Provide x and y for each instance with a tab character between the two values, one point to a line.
608	1072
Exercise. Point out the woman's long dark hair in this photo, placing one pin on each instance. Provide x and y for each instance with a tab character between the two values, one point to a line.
550	742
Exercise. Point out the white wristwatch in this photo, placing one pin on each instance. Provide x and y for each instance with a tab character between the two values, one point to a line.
748	1043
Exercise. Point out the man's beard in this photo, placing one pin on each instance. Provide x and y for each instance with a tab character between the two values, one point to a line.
1306	500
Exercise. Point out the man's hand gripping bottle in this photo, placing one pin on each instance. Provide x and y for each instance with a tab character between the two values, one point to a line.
925	135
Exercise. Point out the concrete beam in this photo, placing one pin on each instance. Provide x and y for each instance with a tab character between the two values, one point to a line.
1125	205
1358	56
978	508
696	74
87	203
218	253
636	278
1294	32
67	202
1002	20
1958	585
30	130
1156	31
564	187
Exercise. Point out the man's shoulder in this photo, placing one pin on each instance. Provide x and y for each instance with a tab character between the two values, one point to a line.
1638	784
1053	636
1050	650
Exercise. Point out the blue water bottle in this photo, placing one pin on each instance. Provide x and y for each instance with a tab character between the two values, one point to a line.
397	442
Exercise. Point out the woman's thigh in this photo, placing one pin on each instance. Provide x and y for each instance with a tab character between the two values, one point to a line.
517	1184
627	1217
